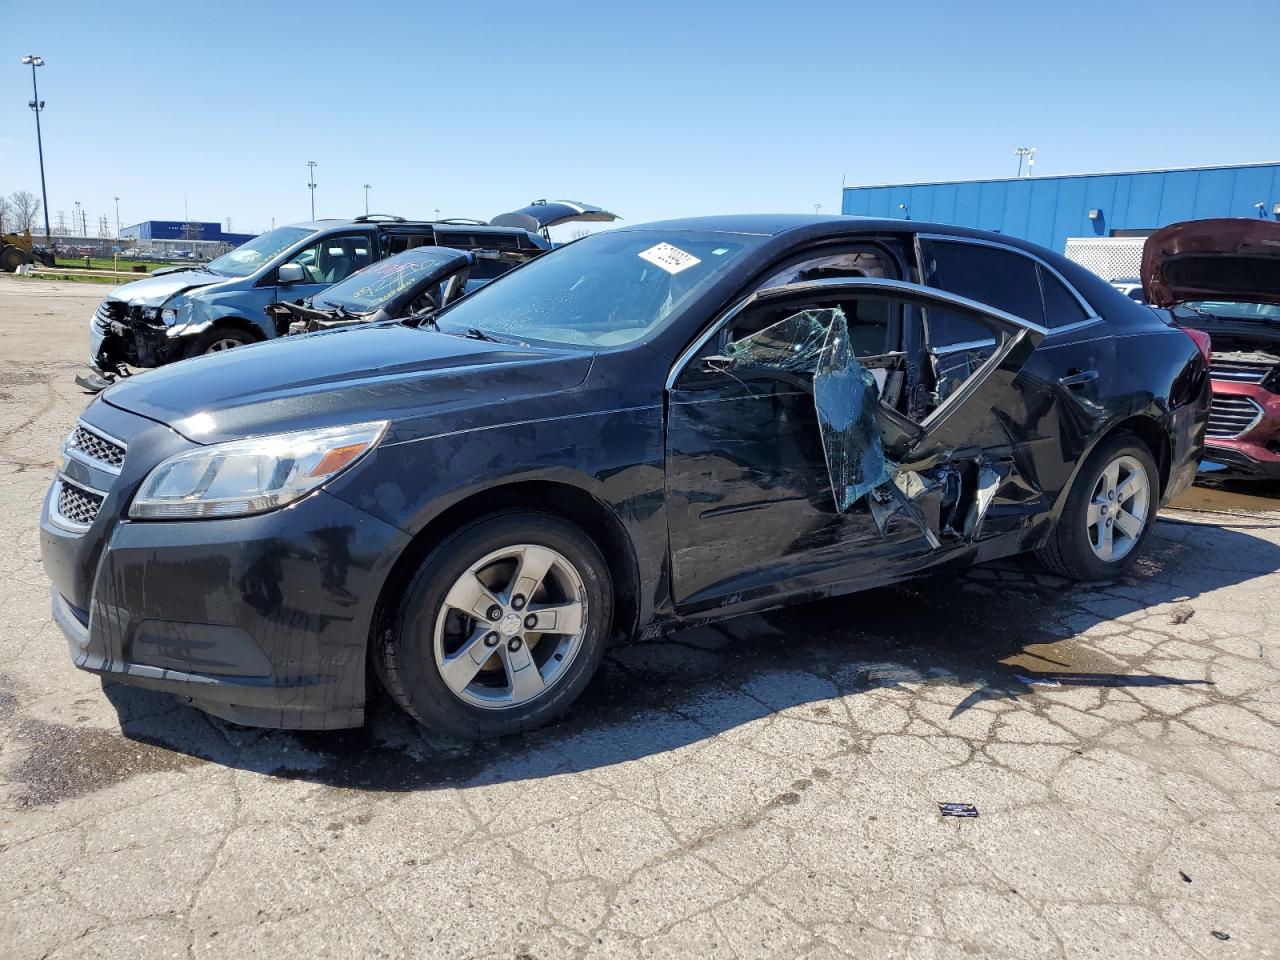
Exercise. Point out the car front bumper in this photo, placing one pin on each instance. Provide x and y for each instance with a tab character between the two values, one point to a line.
262	620
1255	451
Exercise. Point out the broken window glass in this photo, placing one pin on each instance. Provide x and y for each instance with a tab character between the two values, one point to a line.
845	394
942	501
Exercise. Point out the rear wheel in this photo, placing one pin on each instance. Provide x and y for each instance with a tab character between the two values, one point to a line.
500	628
1108	514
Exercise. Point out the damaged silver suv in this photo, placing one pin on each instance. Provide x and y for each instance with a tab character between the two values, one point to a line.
651	426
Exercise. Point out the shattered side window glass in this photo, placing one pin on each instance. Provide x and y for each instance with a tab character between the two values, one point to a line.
845	394
792	345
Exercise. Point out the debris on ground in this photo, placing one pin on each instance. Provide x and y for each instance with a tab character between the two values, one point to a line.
1183	875
1037	681
1220	935
1182	613
957	809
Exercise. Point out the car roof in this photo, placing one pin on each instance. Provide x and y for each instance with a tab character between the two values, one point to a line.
444	225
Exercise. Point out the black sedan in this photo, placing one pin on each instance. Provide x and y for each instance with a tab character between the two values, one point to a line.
651	426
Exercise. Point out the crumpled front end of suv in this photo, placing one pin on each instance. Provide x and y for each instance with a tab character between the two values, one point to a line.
1244	421
1222	277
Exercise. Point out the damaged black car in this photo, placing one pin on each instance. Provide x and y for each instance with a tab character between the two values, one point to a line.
421	280
653	426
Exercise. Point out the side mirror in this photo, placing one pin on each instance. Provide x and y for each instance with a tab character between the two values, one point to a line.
290	273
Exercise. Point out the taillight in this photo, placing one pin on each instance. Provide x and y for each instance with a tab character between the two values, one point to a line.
1203	343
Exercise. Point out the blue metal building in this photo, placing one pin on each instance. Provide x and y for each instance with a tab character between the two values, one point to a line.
1047	210
182	230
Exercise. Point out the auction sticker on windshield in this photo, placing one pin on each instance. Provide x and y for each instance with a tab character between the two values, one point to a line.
669	258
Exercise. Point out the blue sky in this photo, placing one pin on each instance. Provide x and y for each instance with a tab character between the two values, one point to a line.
649	108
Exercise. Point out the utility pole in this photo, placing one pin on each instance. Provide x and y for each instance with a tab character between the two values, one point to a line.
366	200
37	105
75	218
117	218
84	221
311	185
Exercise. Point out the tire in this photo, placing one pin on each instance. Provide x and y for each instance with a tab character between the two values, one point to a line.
218	339
422	655
1078	546
11	258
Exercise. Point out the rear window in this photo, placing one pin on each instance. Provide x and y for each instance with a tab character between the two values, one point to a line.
1060	307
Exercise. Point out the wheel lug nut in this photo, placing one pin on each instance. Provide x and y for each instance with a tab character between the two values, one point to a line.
491	640
517	602
530	622
513	644
495	612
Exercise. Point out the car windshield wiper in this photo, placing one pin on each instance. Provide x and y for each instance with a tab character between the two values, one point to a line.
337	307
475	333
427	320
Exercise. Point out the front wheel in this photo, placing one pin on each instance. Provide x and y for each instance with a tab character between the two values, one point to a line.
500	628
220	339
1108	514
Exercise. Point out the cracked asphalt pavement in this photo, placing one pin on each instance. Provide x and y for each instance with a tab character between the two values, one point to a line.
765	787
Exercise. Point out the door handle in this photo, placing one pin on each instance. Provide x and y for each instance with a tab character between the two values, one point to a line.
1076	379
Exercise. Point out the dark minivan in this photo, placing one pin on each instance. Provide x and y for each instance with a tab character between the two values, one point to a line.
656	425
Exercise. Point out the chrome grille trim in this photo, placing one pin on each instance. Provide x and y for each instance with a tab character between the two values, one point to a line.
1240	371
95	448
107	311
1231	416
74	505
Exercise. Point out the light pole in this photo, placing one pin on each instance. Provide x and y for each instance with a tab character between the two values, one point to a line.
366	199
1030	154
311	184
75	220
117	218
37	105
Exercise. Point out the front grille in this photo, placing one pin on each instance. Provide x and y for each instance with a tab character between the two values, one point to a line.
77	505
1240	371
96	447
1231	416
107	311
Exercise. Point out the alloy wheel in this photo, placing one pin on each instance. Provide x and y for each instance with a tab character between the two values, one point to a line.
1118	509
510	626
224	344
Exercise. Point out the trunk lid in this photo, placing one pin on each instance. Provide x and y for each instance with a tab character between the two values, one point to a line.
544	214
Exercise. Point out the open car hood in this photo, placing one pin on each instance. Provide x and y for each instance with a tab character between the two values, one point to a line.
1231	259
541	214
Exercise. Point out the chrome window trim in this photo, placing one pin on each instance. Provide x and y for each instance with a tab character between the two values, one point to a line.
857	284
57	518
1090	313
74	454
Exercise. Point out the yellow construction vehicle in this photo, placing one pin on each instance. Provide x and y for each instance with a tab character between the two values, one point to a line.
18	248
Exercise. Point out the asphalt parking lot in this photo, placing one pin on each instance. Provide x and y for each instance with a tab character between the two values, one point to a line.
766	787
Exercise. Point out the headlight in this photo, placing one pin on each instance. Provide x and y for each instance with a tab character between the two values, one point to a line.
251	476
168	317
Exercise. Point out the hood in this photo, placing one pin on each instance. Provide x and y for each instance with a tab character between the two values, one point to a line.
542	214
154	291
375	371
1235	260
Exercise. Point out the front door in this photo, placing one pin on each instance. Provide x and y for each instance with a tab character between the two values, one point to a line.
777	479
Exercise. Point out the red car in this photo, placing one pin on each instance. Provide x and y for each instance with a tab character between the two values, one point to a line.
1222	277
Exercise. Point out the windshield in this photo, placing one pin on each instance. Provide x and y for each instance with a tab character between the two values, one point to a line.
604	290
249	257
1229	310
368	289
